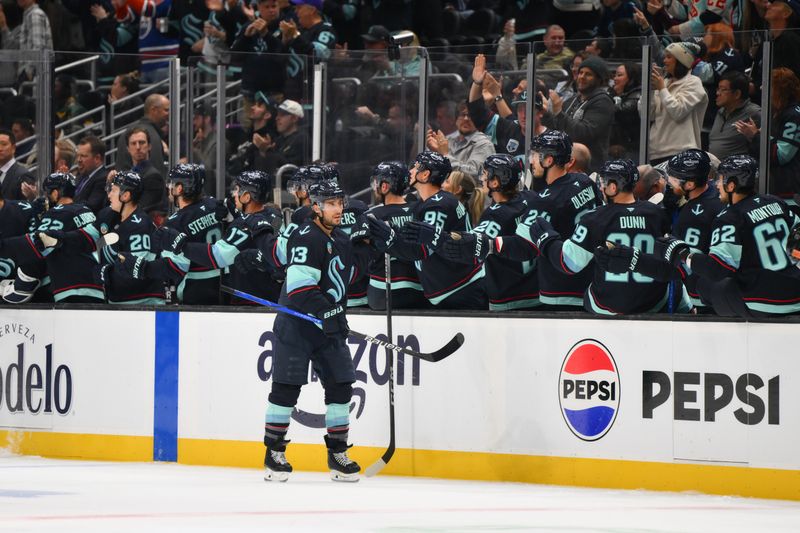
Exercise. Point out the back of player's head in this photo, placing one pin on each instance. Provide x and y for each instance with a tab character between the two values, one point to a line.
305	176
394	173
690	165
438	165
63	182
190	176
330	171
554	143
256	182
741	170
623	172
129	181
505	168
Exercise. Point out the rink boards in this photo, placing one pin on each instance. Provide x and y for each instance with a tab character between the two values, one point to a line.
705	406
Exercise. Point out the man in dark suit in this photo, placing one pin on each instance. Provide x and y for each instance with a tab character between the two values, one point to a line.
91	187
154	194
156	115
16	181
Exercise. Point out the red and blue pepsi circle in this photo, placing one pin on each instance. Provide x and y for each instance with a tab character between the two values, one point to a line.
589	390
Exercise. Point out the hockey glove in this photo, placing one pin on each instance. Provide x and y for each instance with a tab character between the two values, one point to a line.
672	250
360	231
334	322
541	233
383	236
132	266
418	232
464	247
225	211
168	240
616	258
250	260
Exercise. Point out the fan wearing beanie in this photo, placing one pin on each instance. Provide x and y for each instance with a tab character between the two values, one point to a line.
678	105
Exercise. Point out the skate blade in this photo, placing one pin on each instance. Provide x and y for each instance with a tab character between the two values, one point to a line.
271	475
348	478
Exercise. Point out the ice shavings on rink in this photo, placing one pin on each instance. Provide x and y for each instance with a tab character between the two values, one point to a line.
53	495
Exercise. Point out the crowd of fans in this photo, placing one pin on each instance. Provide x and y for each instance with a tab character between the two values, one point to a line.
705	84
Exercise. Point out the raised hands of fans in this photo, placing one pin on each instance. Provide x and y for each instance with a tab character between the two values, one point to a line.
479	69
168	240
640	19
382	234
418	232
616	258
465	247
132	266
491	86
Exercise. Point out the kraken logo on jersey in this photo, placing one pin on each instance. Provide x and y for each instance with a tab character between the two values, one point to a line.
335	267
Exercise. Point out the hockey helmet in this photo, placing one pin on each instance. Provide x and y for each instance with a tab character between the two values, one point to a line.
394	173
554	143
690	165
191	176
324	190
304	177
256	182
623	172
437	164
739	169
505	168
128	180
63	182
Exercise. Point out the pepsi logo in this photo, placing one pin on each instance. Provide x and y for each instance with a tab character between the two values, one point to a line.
589	390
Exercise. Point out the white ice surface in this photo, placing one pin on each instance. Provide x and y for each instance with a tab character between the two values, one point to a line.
51	495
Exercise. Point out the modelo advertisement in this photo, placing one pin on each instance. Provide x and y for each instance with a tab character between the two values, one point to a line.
76	371
634	390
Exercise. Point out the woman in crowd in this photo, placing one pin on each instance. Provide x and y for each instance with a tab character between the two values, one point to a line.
124	85
462	186
626	92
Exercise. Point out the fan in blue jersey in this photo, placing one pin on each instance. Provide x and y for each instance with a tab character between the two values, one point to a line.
389	184
69	267
623	221
198	219
250	234
510	284
446	284
321	265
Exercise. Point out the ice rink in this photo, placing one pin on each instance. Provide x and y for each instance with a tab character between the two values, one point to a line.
53	495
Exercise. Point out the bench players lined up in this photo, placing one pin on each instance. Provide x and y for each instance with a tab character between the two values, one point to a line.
711	245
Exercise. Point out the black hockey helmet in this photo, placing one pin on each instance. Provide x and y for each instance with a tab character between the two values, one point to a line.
63	182
554	143
256	182
320	191
330	171
623	172
437	164
191	176
304	177
690	165
505	168
394	173
128	180
741	170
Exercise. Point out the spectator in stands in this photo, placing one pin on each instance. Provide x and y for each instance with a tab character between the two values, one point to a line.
156	115
154	193
780	16
721	54
90	188
156	42
261	132
376	59
34	34
317	39
614	10
724	139
576	15
291	144
466	148
116	41
556	54
587	116
16	181
123	86
65	155
463	187
204	145
10	28
581	159
446	116
65	104
677	105
600	47
22	128
626	92
566	88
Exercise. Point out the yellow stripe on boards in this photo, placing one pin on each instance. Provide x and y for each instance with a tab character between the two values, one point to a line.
599	473
77	445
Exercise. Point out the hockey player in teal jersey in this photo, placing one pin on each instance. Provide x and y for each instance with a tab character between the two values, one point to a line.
320	268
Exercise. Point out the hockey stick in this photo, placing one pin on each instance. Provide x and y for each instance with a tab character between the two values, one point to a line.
378	465
454	344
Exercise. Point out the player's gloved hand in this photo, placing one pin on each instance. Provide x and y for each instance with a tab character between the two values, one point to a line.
616	258
168	240
466	247
360	231
39	206
51	238
542	232
419	232
132	266
382	234
672	250
225	210
102	274
334	322
250	260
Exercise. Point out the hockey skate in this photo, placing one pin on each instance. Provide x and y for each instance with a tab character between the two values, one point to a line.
276	467
342	467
